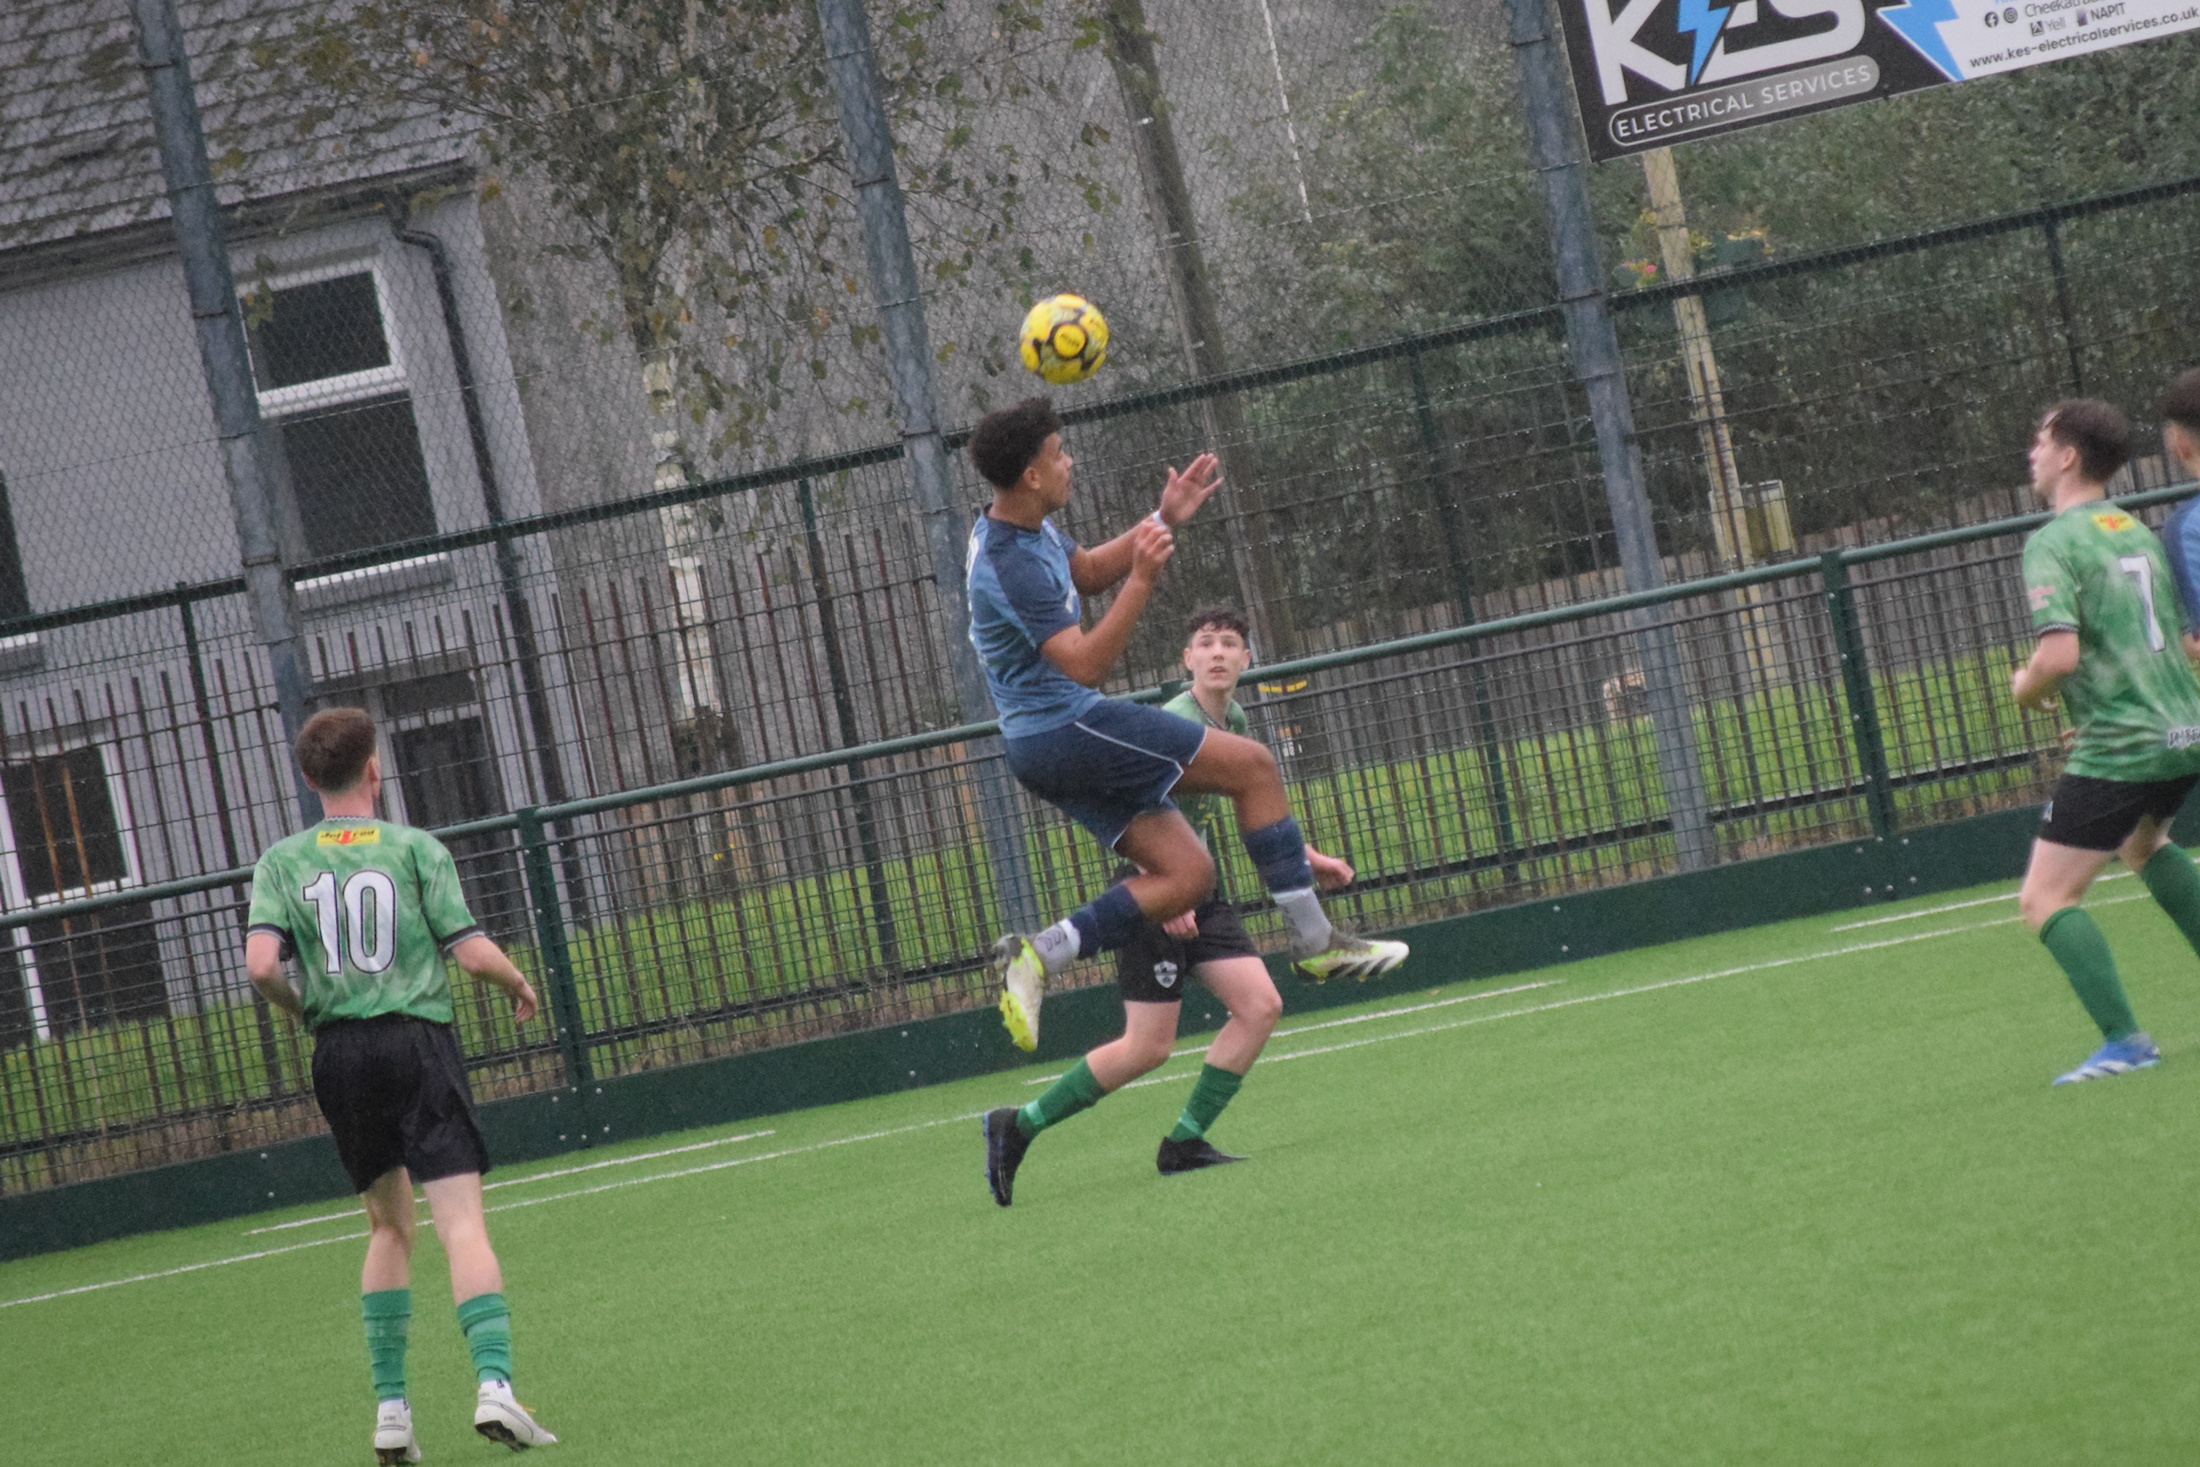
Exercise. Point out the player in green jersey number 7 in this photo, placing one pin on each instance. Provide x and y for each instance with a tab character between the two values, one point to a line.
369	909
2106	614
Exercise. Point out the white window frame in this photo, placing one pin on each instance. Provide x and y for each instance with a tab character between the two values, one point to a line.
279	402
375	382
11	876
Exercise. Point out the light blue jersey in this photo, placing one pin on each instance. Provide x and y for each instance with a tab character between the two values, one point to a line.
1020	595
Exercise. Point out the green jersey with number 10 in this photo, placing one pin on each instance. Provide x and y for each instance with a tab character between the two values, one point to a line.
2096	571
369	908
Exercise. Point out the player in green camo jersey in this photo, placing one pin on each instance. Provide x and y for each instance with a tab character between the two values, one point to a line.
1208	943
2105	608
369	909
363	903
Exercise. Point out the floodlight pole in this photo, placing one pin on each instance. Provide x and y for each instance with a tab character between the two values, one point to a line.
219	317
1555	147
894	283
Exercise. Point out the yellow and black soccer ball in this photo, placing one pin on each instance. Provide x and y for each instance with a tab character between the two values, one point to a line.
1065	339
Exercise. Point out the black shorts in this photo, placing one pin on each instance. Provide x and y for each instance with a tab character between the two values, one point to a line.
2100	814
394	1091
1152	966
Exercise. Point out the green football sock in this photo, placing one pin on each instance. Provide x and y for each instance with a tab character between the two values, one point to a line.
2169	874
1078	1090
388	1312
1213	1091
487	1322
2078	945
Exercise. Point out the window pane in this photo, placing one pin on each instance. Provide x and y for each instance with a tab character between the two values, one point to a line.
15	1002
358	476
65	834
325	329
449	777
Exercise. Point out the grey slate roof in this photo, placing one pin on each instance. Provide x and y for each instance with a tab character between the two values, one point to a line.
76	133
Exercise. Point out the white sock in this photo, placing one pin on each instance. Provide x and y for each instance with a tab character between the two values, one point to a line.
1058	945
1303	910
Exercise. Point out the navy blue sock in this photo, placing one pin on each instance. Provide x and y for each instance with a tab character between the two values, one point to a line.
1108	920
1279	854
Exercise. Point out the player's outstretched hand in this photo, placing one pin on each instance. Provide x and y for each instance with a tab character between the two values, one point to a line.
1182	496
1151	546
1329	872
524	1003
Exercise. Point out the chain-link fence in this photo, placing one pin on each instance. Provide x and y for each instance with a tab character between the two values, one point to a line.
1862	693
579	454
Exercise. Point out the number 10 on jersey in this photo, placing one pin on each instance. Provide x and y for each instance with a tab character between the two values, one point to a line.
359	924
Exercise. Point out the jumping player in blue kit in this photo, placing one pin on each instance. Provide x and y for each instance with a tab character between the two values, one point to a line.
2181	536
1111	765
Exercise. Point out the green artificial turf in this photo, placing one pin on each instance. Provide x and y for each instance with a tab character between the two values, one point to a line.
1819	1211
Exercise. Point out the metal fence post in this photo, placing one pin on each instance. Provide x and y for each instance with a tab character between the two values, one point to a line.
1554	144
271	1054
1462	590
900	296
2051	232
1856	683
219	319
851	734
560	992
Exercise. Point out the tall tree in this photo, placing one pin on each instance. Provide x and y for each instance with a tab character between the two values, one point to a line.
695	147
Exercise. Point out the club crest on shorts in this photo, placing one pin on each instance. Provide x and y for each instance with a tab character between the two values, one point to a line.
1164	973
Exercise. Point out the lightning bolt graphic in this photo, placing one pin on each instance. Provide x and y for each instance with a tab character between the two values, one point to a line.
1705	22
1919	22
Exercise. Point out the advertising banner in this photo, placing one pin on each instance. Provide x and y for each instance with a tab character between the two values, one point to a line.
1653	72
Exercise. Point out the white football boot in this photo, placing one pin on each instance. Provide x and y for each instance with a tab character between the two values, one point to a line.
501	1419
393	1434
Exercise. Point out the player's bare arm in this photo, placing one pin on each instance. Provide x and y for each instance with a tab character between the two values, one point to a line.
2036	682
1086	657
1102	566
263	964
481	957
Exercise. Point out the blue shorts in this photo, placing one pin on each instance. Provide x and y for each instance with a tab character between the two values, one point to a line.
1111	765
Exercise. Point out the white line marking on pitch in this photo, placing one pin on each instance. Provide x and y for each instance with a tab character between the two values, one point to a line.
2007	896
505	1207
169	1273
565	1171
1441	1003
1180	1076
1567	1003
717	1166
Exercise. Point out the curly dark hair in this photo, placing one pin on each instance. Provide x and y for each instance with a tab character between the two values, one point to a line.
1005	441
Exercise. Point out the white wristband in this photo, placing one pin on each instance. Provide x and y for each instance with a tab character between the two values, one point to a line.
1157	519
